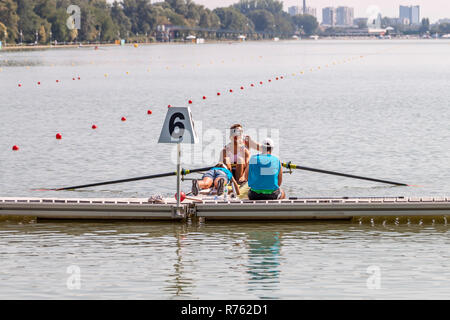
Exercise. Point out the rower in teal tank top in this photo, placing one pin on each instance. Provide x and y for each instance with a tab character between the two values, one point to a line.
264	170
265	175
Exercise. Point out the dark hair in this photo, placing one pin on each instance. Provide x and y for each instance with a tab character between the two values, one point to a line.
267	149
237	125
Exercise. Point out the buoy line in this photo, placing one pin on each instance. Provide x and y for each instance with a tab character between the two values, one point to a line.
218	94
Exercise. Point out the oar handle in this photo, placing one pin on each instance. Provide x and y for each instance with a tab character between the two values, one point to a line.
289	165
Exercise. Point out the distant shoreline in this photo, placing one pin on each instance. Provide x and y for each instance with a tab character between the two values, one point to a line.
100	45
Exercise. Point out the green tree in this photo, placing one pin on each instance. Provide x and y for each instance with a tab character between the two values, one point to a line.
232	19
267	16
270	5
45	8
3	32
444	28
142	15
284	24
89	30
56	16
247	6
120	19
42	35
29	22
306	22
263	20
59	29
193	12
107	30
103	20
179	6
425	27
209	20
9	19
73	35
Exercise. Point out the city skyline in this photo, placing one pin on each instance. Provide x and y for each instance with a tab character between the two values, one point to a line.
432	9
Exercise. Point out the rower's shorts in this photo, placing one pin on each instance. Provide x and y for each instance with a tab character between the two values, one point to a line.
214	174
276	195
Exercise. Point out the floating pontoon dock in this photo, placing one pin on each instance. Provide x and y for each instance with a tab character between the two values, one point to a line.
298	209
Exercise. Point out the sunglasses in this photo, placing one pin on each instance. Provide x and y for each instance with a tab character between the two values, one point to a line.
236	132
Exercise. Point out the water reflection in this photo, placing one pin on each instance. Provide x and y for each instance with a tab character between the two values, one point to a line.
21	62
221	260
180	284
263	262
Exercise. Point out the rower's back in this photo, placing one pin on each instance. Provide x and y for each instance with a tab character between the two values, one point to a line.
264	170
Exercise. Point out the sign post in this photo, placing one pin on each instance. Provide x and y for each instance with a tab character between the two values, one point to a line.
178	128
178	174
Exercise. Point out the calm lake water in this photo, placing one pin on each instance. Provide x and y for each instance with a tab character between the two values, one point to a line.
383	114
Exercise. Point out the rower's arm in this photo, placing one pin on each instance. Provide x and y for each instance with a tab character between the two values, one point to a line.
251	144
236	186
225	160
247	164
246	173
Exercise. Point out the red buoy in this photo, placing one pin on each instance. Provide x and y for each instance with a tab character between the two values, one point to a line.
260	82
73	79
204	98
58	136
242	88
252	85
57	81
169	106
124	119
19	85
276	78
79	78
39	83
231	90
190	101
183	196
94	126
270	80
15	148
218	93
149	111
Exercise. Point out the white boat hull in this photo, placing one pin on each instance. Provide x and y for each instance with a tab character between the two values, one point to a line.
301	209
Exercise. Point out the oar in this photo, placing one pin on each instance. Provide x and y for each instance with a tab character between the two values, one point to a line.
154	176
293	166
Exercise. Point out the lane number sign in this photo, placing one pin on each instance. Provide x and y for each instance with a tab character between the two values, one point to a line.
178	127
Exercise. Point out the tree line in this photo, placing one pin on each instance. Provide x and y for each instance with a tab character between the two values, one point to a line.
42	21
423	28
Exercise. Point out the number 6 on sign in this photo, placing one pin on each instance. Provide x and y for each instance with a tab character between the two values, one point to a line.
178	127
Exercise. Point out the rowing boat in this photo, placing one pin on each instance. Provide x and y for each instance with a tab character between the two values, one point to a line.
217	208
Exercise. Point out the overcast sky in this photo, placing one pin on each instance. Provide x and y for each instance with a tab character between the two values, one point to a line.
433	9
